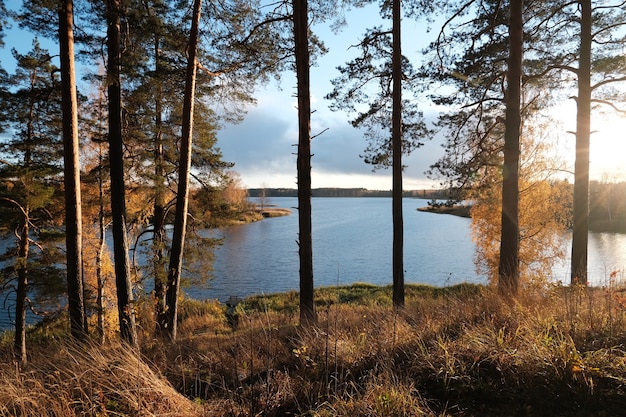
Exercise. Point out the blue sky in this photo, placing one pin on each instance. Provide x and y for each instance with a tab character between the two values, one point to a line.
271	128
262	146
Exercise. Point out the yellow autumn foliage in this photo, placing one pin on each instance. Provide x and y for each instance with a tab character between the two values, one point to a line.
544	205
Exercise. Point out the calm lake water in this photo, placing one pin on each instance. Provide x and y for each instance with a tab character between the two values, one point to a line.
352	241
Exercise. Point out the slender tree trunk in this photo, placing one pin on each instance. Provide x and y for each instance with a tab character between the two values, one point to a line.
184	169
305	241
101	248
158	222
396	140
100	279
125	307
580	231
73	211
22	289
508	271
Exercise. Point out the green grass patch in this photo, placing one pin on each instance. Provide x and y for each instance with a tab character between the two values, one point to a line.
363	294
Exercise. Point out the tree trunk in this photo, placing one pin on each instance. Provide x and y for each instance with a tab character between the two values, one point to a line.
101	248
305	239
184	169
73	211
22	289
508	271
100	278
580	231
158	220
125	307
396	140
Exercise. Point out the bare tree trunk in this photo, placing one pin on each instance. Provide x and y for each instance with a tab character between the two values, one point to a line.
125	307
22	289
101	247
73	211
100	280
158	218
184	169
580	231
305	239
508	270
396	140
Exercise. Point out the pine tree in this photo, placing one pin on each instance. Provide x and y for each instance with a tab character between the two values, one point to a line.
508	268
305	240
71	178
125	307
184	168
392	121
30	171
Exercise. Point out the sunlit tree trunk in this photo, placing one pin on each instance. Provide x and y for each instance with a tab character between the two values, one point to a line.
125	306
580	230
73	211
305	240
508	270
101	248
396	139
184	170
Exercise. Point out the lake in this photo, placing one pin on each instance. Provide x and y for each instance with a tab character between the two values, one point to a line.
352	241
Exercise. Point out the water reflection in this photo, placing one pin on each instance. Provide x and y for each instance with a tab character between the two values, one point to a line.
607	253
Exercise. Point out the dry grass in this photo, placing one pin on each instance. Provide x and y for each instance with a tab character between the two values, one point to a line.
459	351
66	380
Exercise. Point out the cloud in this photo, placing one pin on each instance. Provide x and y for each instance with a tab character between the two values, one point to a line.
263	148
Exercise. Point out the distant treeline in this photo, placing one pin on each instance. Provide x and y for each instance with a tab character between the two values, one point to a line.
607	207
346	192
607	201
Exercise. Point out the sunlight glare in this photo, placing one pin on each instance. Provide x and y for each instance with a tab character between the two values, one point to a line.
608	148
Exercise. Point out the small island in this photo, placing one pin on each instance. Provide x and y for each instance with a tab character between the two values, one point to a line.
272	211
461	210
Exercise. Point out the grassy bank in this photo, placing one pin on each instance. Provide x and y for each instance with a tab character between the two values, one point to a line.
457	351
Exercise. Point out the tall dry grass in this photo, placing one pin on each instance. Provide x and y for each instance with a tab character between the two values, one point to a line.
460	351
67	380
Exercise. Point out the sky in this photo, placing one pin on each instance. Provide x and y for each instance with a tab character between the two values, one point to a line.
262	147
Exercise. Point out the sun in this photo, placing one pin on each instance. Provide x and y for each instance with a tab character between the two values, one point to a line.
607	149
